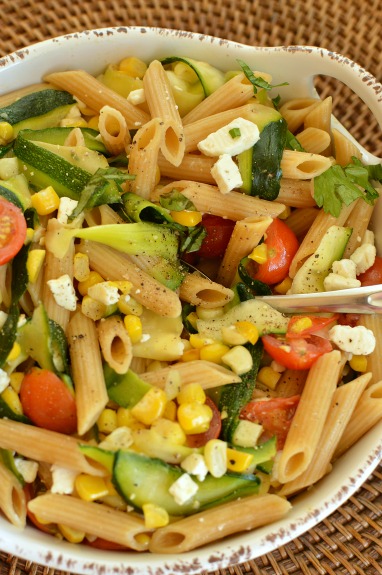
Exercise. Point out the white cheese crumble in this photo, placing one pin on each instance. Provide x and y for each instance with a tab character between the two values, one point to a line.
364	257
63	292
357	340
65	209
183	489
195	465
221	142
3	318
63	479
104	292
27	468
226	174
137	96
4	380
345	268
334	282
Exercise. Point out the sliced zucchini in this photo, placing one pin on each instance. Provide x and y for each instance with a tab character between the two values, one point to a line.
58	136
210	78
125	389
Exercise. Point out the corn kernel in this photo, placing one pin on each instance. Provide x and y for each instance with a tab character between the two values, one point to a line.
12	399
71	535
93	278
301	324
123	286
45	201
259	254
151	406
29	237
248	330
133	67
170	411
239	359
81	269
190	393
187	218
93	122
283	287
133	327
194	417
107	421
143	539
215	456
126	419
14	353
171	430
285	213
359	363
35	261
155	516
238	461
129	306
192	318
16	379
209	313
89	487
190	355
6	133
93	309
268	377
199	341
214	352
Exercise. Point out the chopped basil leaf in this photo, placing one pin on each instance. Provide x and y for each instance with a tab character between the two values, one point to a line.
256	81
292	142
235	133
176	202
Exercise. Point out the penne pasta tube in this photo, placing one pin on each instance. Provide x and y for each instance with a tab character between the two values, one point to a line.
194	167
374	364
358	220
75	138
203	292
291	382
91	518
341	409
320	116
236	206
44	445
218	522
143	157
113	130
207	373
246	235
115	343
303	165
300	221
366	414
87	372
96	95
344	149
314	140
309	419
295	111
161	103
296	193
12	498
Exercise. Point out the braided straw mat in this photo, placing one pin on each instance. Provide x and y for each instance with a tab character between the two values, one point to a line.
349	541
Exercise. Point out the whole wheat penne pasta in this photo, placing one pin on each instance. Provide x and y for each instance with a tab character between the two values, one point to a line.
115	343
366	414
303	166
358	220
207	373
113	265
113	129
300	221
341	409
196	167
294	111
87	372
246	235
236	205
296	193
314	140
309	419
48	446
203	292
218	522
12	497
344	148
291	382
75	138
161	103
92	518
320	116
96	95
374	364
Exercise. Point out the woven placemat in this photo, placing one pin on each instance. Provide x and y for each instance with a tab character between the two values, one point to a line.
349	541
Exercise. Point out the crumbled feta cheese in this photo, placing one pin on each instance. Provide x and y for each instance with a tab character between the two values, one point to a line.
357	340
27	468
22	320
104	292
368	237
4	380
63	292
65	208
226	174
137	96
334	282
195	465
221	142
345	268
63	479
3	318
364	257
183	489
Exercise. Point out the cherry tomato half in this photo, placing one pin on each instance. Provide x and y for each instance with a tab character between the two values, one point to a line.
373	275
282	245
48	402
219	231
13	230
213	432
275	415
318	324
298	353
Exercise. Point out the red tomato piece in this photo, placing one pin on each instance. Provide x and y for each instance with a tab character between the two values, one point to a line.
100	543
275	415
213	432
298	353
318	324
48	402
282	245
373	275
219	231
13	230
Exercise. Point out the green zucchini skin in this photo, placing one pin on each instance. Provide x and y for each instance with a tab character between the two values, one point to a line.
210	78
35	104
58	135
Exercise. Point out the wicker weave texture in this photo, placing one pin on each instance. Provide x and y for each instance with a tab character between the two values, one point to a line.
352	27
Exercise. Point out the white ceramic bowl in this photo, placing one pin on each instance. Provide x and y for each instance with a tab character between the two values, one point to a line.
93	50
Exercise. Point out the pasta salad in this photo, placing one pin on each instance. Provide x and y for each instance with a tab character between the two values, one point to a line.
150	400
